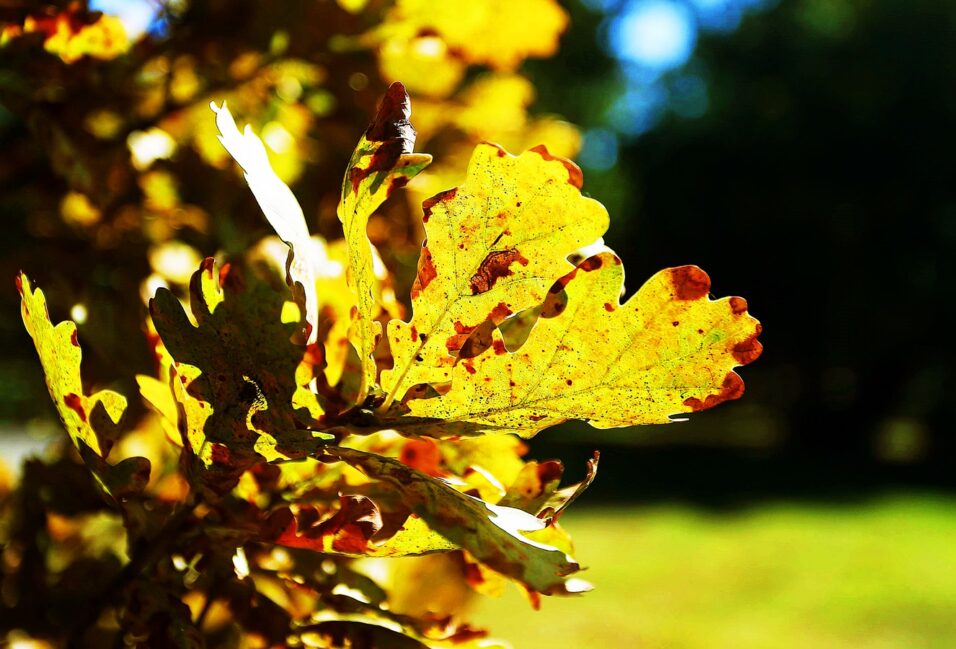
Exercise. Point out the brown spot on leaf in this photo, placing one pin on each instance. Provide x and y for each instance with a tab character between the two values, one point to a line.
499	313
468	366
440	197
414	333
426	272
499	347
221	454
550	471
495	266
675	323
397	183
575	175
207	266
591	263
732	388
536	417
738	305
73	339
18	280
690	283
608	307
748	350
75	403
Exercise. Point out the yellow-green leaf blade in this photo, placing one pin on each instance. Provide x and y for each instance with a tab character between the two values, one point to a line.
91	421
492	534
493	247
668	350
382	162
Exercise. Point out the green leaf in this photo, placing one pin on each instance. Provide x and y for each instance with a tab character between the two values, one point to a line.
494	535
91	421
382	162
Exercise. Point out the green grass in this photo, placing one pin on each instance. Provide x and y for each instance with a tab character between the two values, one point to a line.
876	575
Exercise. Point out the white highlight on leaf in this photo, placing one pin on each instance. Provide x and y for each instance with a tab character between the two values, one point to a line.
277	201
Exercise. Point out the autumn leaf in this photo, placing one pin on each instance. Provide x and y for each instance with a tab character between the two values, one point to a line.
668	350
91	421
493	247
494	535
280	207
382	162
356	530
240	366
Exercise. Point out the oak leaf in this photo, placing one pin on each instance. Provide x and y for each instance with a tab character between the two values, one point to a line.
493	247
668	350
382	162
497	536
91	420
240	365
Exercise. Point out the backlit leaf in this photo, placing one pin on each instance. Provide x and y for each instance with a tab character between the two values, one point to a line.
492	534
91	421
239	363
493	248
279	205
668	350
382	162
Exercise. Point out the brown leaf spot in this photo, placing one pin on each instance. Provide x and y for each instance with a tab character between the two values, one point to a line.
18	280
608	307
570	382
397	183
414	333
732	388
75	403
575	175
207	266
495	266
391	120
738	305
468	366
536	417
748	350
550	471
426	272
675	323
591	263
73	339
221	454
690	283
499	347
440	197
499	313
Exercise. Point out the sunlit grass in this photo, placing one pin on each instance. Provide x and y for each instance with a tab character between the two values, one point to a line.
880	574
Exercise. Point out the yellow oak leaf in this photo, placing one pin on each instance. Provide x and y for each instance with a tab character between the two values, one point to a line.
668	350
497	33
382	162
91	421
493	247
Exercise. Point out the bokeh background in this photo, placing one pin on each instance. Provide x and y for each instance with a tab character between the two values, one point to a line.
800	151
